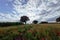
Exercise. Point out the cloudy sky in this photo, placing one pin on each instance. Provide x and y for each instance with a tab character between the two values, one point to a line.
41	10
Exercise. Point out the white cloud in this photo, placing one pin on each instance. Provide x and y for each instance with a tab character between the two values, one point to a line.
34	9
30	9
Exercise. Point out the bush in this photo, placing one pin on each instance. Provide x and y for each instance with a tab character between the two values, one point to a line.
35	21
44	22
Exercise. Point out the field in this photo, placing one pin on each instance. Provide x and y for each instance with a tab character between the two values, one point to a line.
31	32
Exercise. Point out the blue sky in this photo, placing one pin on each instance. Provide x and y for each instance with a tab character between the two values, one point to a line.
41	10
6	6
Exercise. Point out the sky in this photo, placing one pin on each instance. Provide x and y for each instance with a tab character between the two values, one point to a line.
41	10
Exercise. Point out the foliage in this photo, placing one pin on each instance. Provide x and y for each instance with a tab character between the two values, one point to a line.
44	22
58	19
28	32
24	19
5	24
35	21
8	35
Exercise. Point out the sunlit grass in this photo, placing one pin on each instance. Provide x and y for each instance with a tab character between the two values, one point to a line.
32	31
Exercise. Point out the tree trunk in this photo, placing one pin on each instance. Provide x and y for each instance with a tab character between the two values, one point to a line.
25	22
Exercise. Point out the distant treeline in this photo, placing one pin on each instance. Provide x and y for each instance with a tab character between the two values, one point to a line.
2	24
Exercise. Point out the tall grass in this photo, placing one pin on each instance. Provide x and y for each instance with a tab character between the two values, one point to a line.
28	32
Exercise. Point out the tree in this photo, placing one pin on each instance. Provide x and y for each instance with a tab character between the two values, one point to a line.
44	22
24	19
35	21
58	19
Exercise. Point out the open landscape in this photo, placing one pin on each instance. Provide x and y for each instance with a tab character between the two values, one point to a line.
31	32
29	19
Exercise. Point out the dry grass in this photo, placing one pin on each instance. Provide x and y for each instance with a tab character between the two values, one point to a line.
35	26
39	28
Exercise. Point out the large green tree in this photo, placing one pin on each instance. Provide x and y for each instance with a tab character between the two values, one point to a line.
24	19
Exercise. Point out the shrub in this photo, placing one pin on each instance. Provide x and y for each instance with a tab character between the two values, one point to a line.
44	22
35	21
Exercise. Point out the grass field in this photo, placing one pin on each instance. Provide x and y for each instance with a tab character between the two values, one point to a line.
34	25
28	32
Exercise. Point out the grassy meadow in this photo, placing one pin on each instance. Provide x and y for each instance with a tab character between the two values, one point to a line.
31	32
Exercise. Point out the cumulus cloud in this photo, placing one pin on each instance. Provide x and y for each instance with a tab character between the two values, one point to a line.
41	10
45	10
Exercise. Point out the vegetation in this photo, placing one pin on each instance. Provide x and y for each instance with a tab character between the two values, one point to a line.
35	21
58	19
44	22
31	32
18	31
5	24
24	19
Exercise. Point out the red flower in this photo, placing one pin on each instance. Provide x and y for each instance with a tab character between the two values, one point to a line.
58	33
43	39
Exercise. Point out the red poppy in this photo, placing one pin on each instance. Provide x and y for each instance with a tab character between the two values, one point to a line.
43	39
58	33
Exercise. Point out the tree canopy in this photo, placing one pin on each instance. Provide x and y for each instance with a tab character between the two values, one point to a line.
24	19
35	21
58	19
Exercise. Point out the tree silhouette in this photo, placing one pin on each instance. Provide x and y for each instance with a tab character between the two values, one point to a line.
24	19
43	22
35	21
58	19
